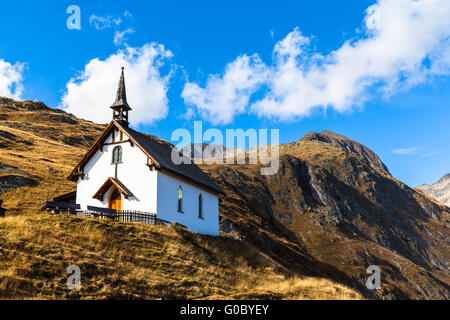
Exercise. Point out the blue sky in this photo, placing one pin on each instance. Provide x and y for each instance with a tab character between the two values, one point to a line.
229	63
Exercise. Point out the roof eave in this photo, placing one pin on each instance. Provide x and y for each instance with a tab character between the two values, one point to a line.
73	175
216	190
90	152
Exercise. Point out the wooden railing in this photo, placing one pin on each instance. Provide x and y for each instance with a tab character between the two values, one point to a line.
122	215
105	213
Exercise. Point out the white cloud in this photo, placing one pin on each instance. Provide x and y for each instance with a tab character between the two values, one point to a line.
226	96
432	153
415	150
121	36
406	151
90	94
102	23
403	43
11	76
106	22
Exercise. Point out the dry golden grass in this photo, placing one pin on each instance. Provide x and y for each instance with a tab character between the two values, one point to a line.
134	261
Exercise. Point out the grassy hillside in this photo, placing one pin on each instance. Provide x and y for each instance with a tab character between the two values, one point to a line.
134	261
42	145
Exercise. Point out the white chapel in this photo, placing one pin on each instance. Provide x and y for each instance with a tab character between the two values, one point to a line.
129	170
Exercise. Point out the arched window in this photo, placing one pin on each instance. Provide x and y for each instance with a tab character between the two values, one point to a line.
200	206
180	199
117	155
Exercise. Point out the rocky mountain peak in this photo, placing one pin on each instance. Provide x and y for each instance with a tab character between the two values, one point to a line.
347	144
439	190
445	178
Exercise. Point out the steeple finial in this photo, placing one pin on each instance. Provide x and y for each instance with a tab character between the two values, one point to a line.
120	106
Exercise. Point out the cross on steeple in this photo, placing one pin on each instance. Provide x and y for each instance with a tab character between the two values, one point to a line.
120	106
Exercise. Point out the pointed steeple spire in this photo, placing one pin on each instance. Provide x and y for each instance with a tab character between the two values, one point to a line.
121	97
120	106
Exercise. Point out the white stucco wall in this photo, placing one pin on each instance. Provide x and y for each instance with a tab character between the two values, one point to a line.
168	205
132	172
153	191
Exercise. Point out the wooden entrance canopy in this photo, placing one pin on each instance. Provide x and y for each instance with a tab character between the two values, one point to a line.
108	184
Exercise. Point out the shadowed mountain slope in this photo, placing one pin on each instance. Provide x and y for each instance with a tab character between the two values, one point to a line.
335	201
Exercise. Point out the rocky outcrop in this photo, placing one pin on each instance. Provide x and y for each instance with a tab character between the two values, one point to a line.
8	139
439	190
2	210
12	177
4	169
8	182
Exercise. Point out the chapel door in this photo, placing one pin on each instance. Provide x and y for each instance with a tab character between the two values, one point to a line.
115	201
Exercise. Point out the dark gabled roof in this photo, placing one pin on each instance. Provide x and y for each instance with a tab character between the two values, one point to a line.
161	152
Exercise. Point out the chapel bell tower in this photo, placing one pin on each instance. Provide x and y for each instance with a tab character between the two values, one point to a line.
120	106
